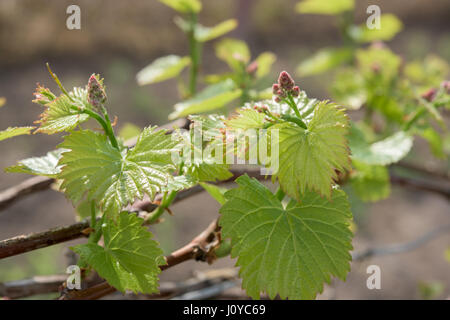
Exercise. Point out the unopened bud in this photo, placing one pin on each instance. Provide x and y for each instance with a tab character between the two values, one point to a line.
275	88
429	94
96	92
285	80
252	68
295	91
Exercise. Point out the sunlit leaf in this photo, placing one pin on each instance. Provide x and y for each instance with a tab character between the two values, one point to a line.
290	251
162	69
332	7
130	259
211	98
324	60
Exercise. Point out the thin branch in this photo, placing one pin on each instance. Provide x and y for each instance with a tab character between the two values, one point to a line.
424	171
24	243
402	247
32	286
31	185
201	248
420	185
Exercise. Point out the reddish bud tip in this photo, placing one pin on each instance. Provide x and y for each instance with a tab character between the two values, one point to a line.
252	68
96	92
285	80
275	88
429	94
295	91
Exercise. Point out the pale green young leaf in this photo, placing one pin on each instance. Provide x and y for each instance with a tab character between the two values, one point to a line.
333	7
264	62
246	119
59	116
14	131
112	178
234	52
130	259
383	152
309	159
210	98
41	166
371	183
203	34
291	251
390	25
324	60
162	69
216	192
184	6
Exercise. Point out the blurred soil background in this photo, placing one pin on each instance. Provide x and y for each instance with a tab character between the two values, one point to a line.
118	38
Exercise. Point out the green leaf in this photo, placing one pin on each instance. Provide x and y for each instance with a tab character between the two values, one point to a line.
184	6
41	166
384	152
130	259
390	25
371	183
112	178
162	69
264	62
203	34
324	7
324	60
14	131
59	116
309	158
246	119
210	98
292	250
234	52
216	192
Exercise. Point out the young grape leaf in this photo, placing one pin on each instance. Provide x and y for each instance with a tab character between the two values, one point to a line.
264	63
113	178
390	25
59	116
309	159
130	259
211	98
41	166
162	69
203	34
371	183
292	250
384	152
325	7
246	118
216	192
14	131
324	60
234	52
